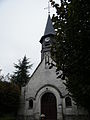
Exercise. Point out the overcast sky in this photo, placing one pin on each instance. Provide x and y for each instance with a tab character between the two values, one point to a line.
22	24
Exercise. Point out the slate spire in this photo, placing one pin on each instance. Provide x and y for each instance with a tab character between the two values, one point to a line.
49	30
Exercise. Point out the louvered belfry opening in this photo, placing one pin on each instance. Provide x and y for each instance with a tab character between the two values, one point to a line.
48	106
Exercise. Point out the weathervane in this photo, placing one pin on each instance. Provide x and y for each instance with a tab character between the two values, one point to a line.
48	8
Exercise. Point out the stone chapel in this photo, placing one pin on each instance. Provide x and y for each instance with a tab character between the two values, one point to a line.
45	95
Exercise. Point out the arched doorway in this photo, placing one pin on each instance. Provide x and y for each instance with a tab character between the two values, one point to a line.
48	106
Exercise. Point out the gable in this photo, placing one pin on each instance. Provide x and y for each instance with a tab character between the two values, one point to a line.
43	76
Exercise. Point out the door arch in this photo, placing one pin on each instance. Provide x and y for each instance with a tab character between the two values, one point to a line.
49	106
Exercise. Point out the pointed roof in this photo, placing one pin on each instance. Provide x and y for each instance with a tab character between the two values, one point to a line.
49	27
49	30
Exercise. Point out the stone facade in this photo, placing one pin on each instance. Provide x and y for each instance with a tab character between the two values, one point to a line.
44	80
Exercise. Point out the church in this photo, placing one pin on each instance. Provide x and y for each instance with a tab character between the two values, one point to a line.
45	96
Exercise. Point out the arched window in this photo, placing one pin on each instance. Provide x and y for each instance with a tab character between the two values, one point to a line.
68	102
30	104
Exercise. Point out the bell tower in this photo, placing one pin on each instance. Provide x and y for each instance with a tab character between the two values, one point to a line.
47	39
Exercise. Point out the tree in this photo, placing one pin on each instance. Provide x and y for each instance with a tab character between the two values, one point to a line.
21	75
9	98
1	76
72	51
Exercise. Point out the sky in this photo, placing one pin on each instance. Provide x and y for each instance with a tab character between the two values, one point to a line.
22	24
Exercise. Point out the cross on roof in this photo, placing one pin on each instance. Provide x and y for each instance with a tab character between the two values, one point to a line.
48	7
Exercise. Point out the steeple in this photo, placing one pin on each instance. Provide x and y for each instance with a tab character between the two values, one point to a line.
47	39
49	30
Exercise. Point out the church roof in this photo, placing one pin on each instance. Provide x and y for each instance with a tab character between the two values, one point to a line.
49	30
49	27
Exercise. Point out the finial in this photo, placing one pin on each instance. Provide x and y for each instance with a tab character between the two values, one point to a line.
48	8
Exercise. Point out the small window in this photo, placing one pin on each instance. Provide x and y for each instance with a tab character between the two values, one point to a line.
30	104
68	102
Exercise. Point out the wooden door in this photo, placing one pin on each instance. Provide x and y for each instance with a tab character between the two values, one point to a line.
48	106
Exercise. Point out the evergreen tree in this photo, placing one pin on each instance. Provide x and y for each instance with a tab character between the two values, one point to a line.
21	76
72	50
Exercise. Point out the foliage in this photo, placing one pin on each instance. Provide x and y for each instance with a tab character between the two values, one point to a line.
1	76
21	75
9	98
72	51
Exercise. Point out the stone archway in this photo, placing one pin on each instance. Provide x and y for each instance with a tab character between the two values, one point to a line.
48	106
